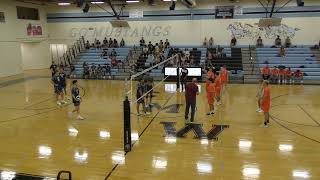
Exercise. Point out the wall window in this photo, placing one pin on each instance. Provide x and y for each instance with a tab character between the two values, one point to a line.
27	13
2	17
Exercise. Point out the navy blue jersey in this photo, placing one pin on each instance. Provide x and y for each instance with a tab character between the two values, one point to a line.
63	79
75	94
56	79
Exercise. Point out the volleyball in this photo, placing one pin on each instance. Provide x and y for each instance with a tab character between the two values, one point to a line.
78	98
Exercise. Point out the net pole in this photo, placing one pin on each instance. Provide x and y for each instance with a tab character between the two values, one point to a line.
178	71
127	125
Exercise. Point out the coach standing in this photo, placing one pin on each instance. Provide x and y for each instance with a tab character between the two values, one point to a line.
191	96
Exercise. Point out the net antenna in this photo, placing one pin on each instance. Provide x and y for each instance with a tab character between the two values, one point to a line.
173	61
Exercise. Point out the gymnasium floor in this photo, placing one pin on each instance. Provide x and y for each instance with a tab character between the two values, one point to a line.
38	138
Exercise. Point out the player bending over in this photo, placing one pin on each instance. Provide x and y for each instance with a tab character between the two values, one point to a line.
76	99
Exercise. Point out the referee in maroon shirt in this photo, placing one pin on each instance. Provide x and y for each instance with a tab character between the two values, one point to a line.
191	95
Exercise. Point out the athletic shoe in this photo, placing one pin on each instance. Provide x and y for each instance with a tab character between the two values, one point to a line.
259	110
219	103
64	102
58	103
70	114
212	113
80	118
147	113
209	114
264	126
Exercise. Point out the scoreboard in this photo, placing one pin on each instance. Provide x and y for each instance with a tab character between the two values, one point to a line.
224	12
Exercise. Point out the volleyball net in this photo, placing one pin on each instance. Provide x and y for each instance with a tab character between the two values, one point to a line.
147	85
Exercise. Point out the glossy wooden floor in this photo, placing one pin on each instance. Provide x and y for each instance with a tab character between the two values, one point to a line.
38	138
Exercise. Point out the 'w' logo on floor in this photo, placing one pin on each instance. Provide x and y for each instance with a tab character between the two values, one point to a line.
198	131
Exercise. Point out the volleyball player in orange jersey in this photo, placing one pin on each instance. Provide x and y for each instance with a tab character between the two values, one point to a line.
210	96
224	76
266	100
210	75
281	76
217	83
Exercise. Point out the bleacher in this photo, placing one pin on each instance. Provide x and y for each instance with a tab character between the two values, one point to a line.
94	55
296	58
233	61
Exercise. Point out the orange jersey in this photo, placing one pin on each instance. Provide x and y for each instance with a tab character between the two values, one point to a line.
217	83
211	93
266	99
281	72
224	76
266	71
288	72
275	72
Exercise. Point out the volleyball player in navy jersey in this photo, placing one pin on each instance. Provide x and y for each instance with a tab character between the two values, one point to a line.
56	80
76	99
63	77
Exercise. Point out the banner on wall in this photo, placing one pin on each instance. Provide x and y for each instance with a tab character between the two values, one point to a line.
2	19
136	13
224	12
34	30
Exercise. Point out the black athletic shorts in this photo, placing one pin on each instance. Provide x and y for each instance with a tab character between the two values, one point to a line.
76	103
58	89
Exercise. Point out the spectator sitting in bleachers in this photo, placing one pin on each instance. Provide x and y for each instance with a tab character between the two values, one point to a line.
187	53
282	52
161	45
298	76
210	58
110	43
150	48
145	50
87	45
113	53
205	43
105	42
221	54
183	59
122	43
266	72
98	44
99	71
278	41
156	49
142	42
274	74
106	70
233	42
259	42
166	44
93	71
114	61
211	42
115	43
288	42
72	71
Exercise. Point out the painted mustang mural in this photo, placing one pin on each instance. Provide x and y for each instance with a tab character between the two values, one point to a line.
241	31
